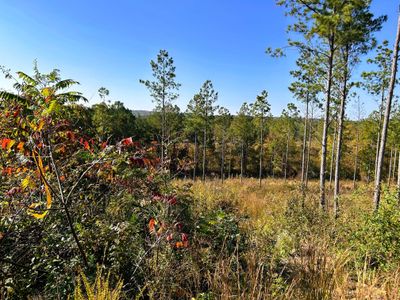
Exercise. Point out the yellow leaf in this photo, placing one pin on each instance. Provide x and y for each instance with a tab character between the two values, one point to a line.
39	164
48	196
26	182
37	215
40	125
10	144
34	213
31	125
46	92
53	106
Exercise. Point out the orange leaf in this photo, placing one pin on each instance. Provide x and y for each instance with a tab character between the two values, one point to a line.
152	225
20	146
6	171
179	245
86	145
4	143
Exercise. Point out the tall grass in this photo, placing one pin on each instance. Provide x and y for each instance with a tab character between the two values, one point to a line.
296	251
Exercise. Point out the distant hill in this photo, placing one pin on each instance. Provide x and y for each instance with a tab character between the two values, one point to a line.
142	113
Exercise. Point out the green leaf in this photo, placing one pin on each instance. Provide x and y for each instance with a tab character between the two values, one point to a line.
27	78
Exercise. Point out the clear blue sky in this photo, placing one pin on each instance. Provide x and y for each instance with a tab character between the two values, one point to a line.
110	43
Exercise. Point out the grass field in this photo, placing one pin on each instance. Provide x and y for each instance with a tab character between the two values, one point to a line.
293	250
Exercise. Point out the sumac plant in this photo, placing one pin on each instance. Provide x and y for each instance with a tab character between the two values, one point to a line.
71	202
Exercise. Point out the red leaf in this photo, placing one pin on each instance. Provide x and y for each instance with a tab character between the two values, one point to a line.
127	141
172	200
86	145
70	135
170	237
184	237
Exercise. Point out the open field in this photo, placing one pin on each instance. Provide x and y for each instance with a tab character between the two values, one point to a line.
296	252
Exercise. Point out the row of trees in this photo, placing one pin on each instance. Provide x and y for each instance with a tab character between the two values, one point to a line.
331	37
207	140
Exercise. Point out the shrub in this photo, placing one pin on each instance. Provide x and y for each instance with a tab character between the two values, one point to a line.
378	239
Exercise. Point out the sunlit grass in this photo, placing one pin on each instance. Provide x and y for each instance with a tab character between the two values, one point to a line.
321	265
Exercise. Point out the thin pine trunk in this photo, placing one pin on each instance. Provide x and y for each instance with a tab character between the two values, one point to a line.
322	172
394	166
357	144
163	131
332	157
261	150
336	192
222	159
241	162
398	181
377	192
204	153
230	163
195	156
286	155
378	139
390	167
356	158
309	146
303	153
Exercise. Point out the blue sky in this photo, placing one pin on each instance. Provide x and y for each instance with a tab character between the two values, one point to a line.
110	43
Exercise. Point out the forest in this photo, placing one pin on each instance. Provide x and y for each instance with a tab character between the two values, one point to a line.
103	202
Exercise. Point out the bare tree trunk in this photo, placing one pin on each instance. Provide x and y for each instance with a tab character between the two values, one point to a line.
242	162
163	125
322	172
303	154
261	150
370	168
309	145
398	181
377	192
390	167
336	192
195	156
222	159
332	157
357	143
286	155
356	160
204	153
378	139
394	166
230	163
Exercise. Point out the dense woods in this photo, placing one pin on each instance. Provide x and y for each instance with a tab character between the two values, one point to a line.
199	202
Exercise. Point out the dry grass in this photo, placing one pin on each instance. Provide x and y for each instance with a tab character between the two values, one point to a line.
319	266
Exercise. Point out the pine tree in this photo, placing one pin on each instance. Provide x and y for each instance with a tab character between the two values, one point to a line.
163	89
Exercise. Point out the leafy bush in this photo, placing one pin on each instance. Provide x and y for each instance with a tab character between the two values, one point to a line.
378	239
